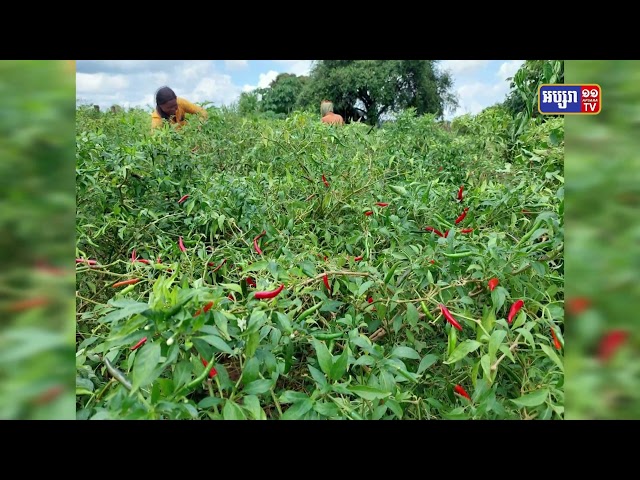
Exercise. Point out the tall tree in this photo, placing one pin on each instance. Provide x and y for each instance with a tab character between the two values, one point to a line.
524	85
281	95
370	89
248	103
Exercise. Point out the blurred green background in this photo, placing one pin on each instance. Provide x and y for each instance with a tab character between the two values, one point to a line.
602	259
37	239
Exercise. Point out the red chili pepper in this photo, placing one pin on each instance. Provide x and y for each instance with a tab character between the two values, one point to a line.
270	293
219	266
324	180
134	258
577	305
139	344
437	232
325	279
370	299
84	260
556	342
449	317
462	215
255	242
432	261
205	309
466	230
460	192
44	267
446	233
461	391
357	259
493	283
440	168
251	282
382	204
181	245
125	282
183	198
212	372
515	308
48	395
368	213
231	297
27	304
610	344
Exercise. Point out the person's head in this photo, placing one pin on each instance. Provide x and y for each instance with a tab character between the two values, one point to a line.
326	107
166	102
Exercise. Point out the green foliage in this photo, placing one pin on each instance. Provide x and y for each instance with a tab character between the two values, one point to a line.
248	103
36	226
523	97
282	94
603	279
372	88
372	343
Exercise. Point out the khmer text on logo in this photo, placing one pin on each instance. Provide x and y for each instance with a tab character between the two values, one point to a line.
573	99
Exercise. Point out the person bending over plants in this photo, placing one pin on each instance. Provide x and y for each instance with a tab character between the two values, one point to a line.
173	109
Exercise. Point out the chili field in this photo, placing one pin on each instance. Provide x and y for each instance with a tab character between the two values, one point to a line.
416	272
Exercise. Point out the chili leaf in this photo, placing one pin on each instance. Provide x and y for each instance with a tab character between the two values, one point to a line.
232	411
144	369
532	399
462	350
368	393
298	410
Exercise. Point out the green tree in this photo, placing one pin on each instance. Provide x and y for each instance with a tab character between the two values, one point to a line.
523	96
248	103
370	89
281	95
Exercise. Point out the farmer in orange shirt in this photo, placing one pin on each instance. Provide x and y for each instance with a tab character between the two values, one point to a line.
326	111
173	109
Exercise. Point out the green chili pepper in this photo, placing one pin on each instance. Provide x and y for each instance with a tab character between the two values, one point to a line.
458	255
327	336
309	311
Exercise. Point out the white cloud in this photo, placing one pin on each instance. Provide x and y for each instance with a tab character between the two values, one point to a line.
458	67
137	65
160	79
235	64
297	67
509	69
95	83
476	96
263	81
194	69
217	89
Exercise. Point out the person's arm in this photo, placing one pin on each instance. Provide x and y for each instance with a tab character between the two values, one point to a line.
193	108
156	120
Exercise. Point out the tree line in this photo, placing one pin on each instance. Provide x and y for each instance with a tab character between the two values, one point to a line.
371	90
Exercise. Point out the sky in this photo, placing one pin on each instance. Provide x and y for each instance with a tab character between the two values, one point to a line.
132	83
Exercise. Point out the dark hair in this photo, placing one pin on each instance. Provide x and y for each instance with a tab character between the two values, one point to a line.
163	95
